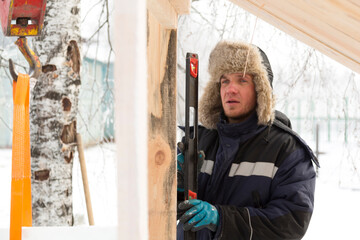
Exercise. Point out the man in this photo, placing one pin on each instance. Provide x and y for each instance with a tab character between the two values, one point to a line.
257	180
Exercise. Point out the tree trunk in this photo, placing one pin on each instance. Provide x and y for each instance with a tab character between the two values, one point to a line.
53	109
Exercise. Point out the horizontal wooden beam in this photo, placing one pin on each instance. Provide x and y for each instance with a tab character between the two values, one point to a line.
181	6
164	12
329	26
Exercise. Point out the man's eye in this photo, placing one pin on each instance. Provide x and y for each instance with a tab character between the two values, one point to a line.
225	81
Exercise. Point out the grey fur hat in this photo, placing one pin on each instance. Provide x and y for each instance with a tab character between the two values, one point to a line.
230	57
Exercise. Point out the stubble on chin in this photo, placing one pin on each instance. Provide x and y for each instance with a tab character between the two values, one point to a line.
240	117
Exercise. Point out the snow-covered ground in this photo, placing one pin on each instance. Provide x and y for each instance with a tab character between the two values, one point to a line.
336	213
101	169
337	198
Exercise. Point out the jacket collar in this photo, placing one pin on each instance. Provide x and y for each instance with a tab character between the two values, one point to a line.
248	126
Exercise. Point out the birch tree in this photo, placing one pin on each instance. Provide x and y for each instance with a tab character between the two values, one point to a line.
54	105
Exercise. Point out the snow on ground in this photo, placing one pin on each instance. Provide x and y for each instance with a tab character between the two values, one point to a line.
336	214
337	196
102	175
101	169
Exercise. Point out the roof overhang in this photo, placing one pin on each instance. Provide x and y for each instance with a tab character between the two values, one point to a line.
330	26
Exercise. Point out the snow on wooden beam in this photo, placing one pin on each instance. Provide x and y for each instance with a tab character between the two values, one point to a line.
164	12
181	6
332	27
131	118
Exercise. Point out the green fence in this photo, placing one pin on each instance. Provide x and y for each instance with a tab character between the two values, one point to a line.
336	122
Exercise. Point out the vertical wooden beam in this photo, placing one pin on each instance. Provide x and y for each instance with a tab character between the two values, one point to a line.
164	12
181	6
161	47
131	118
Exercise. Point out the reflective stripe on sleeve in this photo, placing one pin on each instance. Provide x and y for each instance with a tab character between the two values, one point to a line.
207	167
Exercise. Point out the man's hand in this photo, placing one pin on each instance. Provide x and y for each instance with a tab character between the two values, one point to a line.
198	215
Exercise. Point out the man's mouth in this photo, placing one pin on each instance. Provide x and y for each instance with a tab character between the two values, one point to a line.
232	101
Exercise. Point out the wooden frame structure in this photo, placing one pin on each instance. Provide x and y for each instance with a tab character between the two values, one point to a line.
145	114
146	93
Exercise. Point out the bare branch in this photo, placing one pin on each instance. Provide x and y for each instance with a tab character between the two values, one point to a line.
7	126
91	8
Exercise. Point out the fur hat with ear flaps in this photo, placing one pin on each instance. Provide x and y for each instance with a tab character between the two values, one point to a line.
230	57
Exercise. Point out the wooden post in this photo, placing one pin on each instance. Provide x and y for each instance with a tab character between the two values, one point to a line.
145	116
131	118
162	129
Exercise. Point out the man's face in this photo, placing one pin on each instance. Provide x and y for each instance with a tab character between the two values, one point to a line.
238	96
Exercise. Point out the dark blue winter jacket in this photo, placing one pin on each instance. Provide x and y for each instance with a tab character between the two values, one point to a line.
260	178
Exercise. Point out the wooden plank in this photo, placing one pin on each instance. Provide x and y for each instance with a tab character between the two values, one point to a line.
181	6
162	130
322	22
131	118
164	12
323	25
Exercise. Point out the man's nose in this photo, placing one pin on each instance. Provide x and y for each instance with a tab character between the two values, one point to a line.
231	88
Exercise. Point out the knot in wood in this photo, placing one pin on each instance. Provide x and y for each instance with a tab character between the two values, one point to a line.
159	157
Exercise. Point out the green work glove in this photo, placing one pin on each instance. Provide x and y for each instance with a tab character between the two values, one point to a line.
198	215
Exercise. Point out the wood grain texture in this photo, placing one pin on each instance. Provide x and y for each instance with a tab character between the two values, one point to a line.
89	210
181	6
162	126
330	26
164	13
